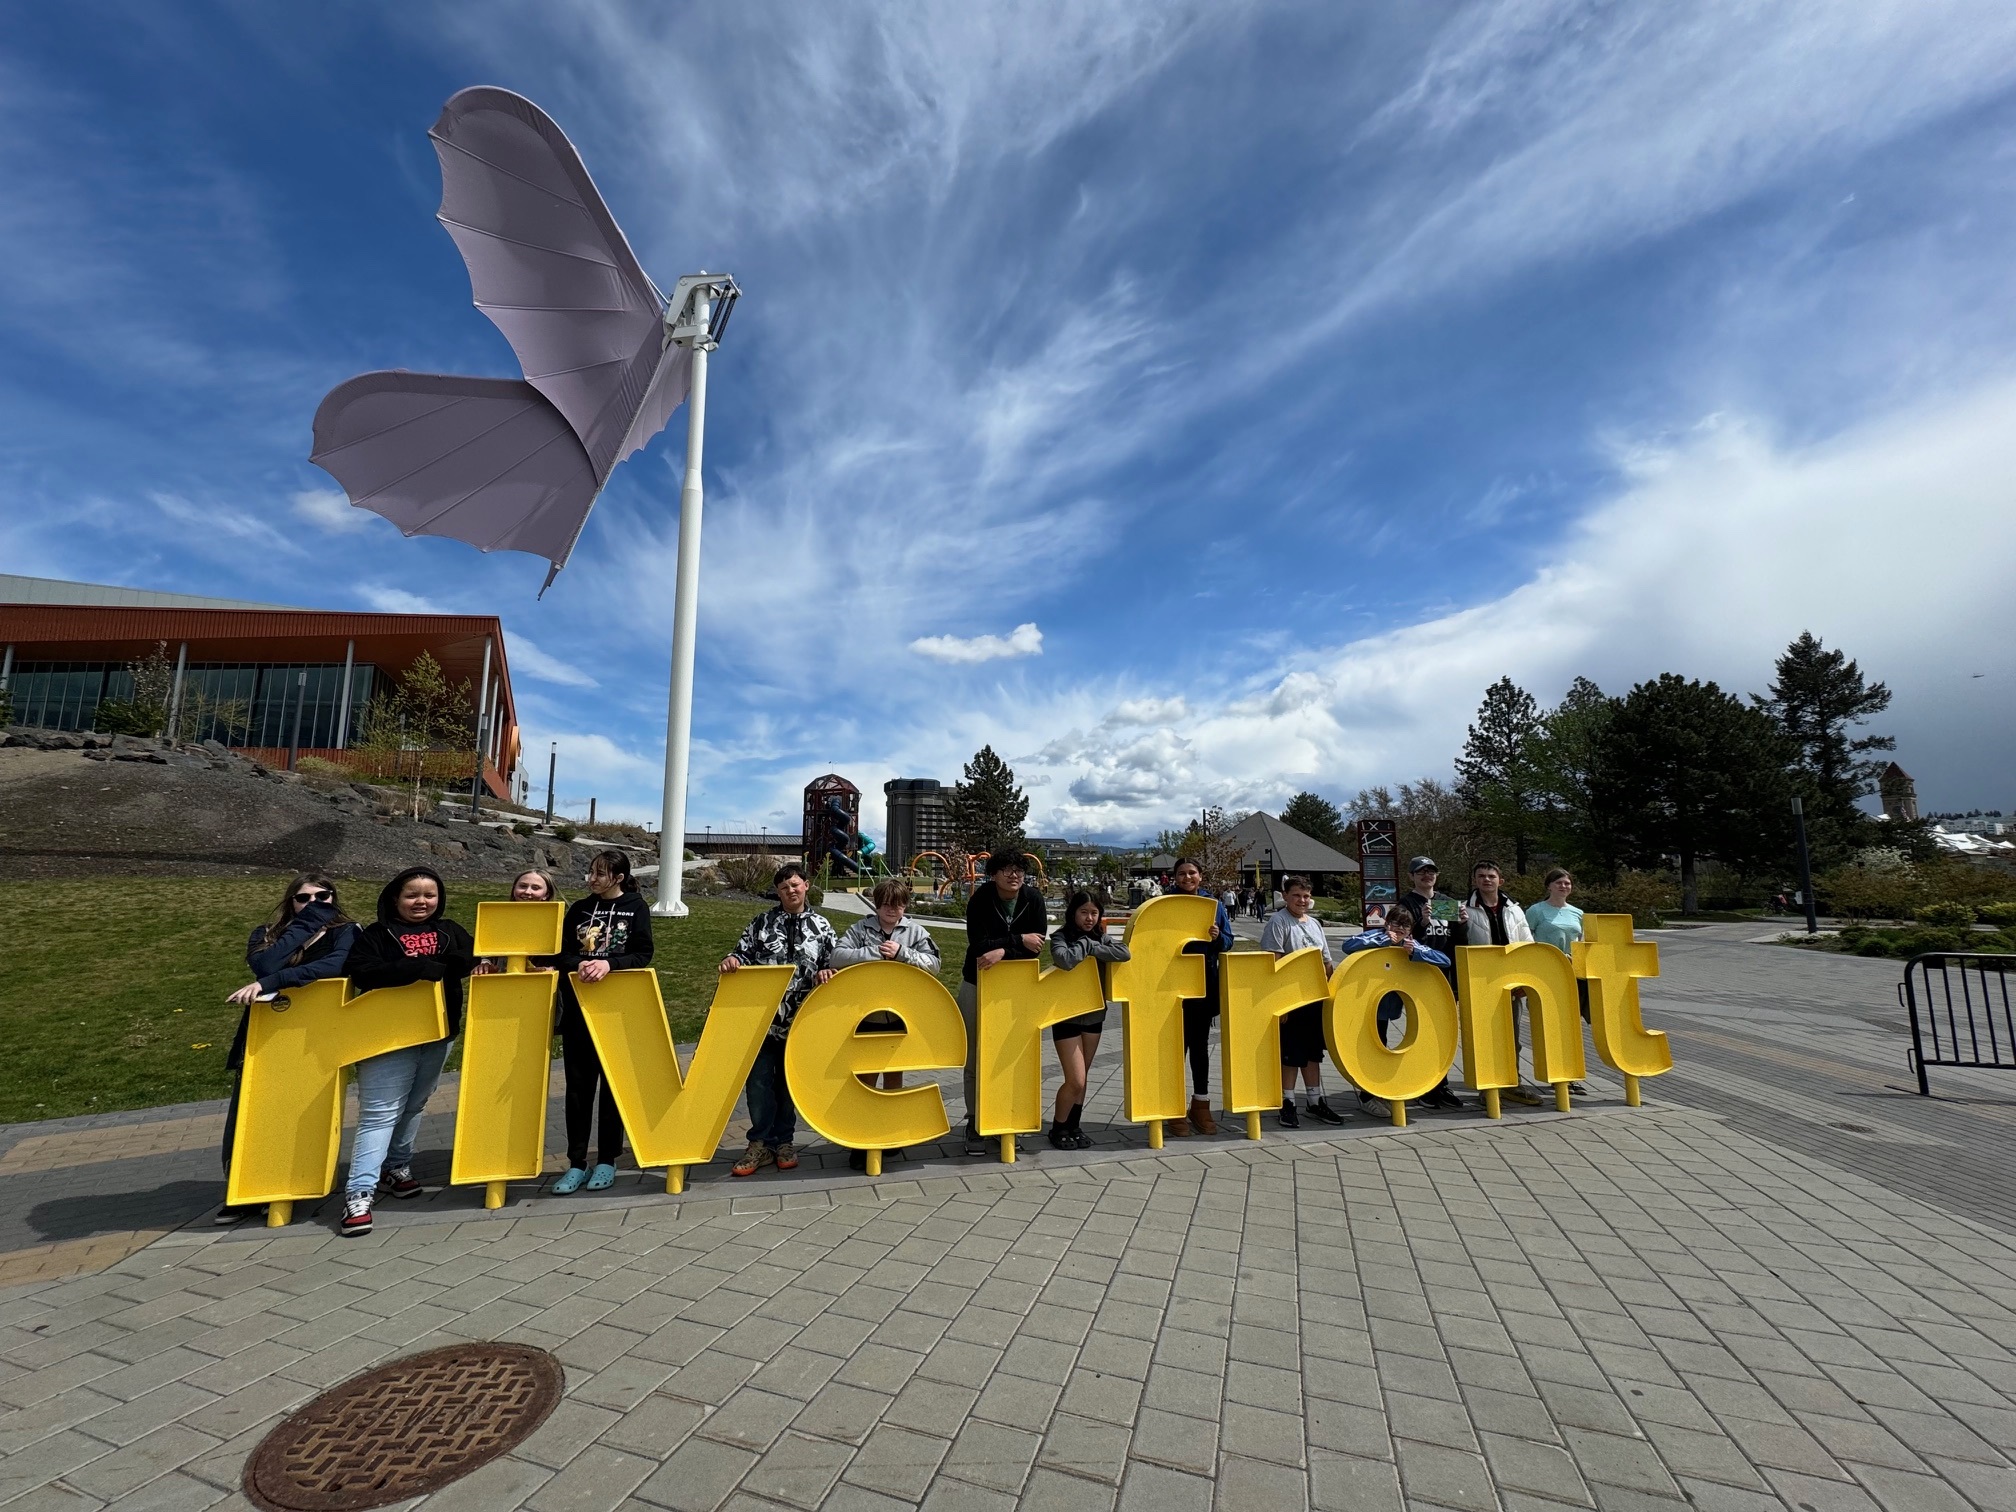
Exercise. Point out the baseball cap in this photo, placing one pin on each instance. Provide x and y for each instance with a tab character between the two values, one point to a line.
1422	863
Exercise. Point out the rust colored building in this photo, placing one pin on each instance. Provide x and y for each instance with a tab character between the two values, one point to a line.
266	679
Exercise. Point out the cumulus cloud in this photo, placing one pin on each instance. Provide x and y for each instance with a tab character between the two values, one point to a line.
331	510
1023	640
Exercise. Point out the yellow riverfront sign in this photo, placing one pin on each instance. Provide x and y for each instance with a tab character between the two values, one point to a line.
291	1097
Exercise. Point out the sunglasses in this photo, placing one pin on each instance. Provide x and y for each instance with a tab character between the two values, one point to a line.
314	897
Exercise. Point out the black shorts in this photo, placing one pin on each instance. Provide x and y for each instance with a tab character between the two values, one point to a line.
1085	1023
1302	1035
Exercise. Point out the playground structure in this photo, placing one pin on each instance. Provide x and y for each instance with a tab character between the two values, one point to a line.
953	867
832	833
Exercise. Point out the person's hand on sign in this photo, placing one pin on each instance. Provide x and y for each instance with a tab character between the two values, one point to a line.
992	958
891	950
245	996
483	968
594	971
1033	943
826	976
730	963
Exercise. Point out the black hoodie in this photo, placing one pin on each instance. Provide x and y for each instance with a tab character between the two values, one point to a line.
392	953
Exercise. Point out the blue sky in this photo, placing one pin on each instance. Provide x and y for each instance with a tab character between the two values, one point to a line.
1197	403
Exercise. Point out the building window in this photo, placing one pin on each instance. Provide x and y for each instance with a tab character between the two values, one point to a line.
239	704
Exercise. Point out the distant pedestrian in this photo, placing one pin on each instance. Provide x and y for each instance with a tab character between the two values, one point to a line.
1081	937
1005	921
1199	1012
796	935
609	930
1294	928
412	940
305	939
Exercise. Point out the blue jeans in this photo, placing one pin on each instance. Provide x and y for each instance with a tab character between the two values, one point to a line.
392	1092
773	1117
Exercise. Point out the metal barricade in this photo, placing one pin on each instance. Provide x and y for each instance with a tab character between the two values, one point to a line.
1961	1011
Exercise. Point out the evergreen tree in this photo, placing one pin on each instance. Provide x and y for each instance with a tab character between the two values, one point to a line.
986	809
1561	757
1316	817
1494	775
1686	770
1817	696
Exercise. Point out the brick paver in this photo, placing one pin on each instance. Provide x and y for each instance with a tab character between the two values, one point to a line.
1613	1309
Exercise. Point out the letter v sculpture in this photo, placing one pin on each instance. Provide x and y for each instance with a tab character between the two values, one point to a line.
516	465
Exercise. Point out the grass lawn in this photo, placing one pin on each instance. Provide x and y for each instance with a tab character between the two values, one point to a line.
112	988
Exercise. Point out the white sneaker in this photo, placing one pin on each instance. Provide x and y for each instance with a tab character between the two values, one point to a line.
356	1215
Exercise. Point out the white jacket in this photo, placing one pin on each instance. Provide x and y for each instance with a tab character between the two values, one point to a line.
1517	930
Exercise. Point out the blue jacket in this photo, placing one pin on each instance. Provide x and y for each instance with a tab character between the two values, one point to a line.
326	958
1211	950
1375	939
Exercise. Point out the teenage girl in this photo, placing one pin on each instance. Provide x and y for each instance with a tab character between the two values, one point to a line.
609	930
533	886
1082	935
307	937
412	940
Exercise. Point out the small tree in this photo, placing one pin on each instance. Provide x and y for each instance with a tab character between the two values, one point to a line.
1815	698
424	712
145	711
986	809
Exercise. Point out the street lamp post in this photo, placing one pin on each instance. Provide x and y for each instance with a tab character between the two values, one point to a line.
1805	868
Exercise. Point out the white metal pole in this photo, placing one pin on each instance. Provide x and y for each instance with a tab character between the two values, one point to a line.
343	698
685	629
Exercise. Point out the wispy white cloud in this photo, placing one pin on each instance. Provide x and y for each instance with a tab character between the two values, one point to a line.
528	658
329	509
1023	640
388	599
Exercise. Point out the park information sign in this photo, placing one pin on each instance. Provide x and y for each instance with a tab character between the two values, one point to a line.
291	1096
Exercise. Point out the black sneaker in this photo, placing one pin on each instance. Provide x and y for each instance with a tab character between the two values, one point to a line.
1322	1112
1443	1101
1060	1137
400	1183
1290	1119
356	1215
975	1145
857	1160
228	1215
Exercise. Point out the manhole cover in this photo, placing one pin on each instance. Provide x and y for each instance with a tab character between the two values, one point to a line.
1855	1128
404	1429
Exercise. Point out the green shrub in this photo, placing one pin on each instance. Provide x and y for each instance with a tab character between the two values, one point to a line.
565	832
1872	945
1944	915
1643	895
115	716
1869	892
2001	915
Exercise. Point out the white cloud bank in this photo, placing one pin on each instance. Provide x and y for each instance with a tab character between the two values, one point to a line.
1024	640
330	510
1893	541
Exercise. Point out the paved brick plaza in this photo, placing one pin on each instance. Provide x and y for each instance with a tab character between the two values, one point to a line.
1719	1298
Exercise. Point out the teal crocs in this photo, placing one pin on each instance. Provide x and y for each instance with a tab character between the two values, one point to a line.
602	1177
570	1181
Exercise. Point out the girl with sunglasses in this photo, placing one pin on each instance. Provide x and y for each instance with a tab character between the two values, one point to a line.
307	937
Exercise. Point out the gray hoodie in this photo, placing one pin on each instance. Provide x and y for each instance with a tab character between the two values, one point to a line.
863	943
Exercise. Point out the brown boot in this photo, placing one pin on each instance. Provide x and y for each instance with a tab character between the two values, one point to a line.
1200	1115
1177	1128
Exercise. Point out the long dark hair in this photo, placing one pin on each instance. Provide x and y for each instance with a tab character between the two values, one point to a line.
1072	933
617	864
281	917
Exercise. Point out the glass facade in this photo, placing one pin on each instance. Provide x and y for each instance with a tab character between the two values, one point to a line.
242	704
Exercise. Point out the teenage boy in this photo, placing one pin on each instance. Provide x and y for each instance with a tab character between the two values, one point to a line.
1296	928
1423	904
885	935
1005	921
790	934
1491	918
1188	878
1396	928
